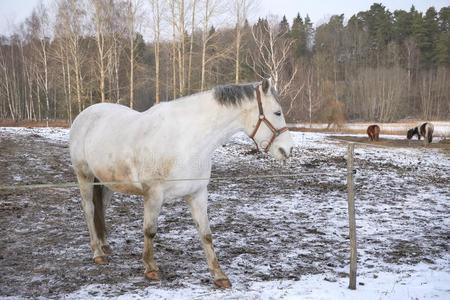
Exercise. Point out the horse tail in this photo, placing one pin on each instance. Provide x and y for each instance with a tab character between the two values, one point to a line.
99	209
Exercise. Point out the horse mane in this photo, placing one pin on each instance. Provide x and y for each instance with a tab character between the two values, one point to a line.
234	94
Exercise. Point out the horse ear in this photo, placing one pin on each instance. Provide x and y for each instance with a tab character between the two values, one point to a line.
266	83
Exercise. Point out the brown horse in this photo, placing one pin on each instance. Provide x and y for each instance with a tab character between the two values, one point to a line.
373	131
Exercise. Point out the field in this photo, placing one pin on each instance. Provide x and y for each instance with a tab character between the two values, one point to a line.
281	237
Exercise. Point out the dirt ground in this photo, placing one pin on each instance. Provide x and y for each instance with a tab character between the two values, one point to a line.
282	228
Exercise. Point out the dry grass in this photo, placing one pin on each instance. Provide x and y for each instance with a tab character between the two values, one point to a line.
442	128
31	124
344	131
443	144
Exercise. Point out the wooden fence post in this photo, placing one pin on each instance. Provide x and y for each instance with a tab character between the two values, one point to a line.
351	216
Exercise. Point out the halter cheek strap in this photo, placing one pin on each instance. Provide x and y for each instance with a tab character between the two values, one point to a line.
262	118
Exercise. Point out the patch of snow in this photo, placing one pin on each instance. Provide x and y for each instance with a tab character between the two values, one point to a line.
52	133
418	282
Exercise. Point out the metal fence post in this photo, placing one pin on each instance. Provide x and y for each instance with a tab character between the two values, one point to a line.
351	216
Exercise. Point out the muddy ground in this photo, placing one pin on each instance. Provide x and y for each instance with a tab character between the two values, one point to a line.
263	229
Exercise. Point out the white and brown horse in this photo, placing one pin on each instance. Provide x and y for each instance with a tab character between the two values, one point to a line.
126	151
424	130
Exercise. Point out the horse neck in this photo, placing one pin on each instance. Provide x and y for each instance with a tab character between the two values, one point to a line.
213	123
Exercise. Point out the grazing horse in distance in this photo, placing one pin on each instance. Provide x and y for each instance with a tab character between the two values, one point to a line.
424	130
373	131
116	149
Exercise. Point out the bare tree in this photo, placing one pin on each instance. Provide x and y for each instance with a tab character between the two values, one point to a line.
101	16
241	10
211	8
38	25
70	28
133	7
191	43
157	8
182	47
6	85
271	55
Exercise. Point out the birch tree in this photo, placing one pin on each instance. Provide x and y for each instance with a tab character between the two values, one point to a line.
133	7
157	7
101	19
211	8
241	10
271	55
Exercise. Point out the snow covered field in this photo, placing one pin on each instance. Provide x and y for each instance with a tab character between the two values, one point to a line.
275	238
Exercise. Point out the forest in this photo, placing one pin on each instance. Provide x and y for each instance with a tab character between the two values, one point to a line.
376	65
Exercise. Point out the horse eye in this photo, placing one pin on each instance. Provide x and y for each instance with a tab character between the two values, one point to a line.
278	113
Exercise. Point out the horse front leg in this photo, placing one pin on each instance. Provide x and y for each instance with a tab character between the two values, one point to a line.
153	201
198	206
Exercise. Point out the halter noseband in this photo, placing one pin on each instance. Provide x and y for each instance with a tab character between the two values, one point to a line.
262	118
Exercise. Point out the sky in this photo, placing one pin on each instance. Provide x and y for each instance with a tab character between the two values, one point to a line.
15	11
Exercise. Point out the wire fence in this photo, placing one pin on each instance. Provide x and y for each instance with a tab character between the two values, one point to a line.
216	178
213	178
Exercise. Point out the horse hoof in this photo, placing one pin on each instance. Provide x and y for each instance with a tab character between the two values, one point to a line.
152	275
101	260
222	283
107	249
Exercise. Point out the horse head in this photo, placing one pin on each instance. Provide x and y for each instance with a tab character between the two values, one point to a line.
265	122
411	133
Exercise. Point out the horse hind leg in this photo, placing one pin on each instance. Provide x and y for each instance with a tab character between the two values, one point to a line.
87	196
101	198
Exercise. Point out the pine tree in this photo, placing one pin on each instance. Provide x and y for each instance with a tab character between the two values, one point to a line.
309	32
443	42
444	19
299	37
284	26
431	32
443	49
402	26
379	26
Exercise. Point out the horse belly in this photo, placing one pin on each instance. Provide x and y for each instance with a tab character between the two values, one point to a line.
119	178
174	190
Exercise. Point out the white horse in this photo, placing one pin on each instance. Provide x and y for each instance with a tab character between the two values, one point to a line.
114	148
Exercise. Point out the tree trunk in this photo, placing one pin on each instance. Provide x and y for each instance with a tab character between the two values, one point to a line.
174	51
191	44
204	44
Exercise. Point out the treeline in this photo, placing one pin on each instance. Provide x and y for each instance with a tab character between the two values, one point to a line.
379	66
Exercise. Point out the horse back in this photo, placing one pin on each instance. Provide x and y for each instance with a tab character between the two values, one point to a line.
426	130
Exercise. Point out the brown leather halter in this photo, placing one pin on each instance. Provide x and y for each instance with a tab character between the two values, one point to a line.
262	118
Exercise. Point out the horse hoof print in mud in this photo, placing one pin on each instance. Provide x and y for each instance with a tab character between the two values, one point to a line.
116	149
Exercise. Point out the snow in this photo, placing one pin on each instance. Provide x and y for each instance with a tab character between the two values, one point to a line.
52	133
384	280
419	282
